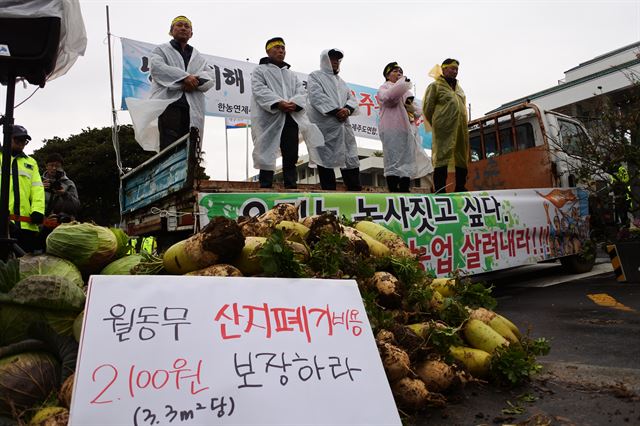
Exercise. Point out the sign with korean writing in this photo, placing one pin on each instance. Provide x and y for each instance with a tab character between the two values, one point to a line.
471	232
231	96
163	350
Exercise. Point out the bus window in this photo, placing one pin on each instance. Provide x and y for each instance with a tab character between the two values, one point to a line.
476	148
573	137
506	144
524	136
490	145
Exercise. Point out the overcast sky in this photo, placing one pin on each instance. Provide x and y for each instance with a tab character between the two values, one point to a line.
507	49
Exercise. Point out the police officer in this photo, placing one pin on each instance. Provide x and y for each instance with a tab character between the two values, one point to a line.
26	193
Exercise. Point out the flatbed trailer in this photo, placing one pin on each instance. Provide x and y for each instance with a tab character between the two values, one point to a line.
469	232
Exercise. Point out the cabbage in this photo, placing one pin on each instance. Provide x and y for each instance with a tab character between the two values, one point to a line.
45	264
16	320
122	240
46	291
90	247
122	266
26	380
47	299
77	326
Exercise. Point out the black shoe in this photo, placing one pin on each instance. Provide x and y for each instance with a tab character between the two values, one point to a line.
294	186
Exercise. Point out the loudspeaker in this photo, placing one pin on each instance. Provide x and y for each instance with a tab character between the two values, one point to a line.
28	48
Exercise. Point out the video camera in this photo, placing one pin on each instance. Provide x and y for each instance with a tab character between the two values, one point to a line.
55	183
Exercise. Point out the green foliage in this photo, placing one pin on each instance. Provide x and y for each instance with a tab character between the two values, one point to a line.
277	258
453	312
379	317
150	265
474	294
407	270
90	162
327	254
609	161
514	364
419	296
346	221
331	257
441	337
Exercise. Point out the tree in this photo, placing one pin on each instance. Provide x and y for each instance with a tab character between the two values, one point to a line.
609	162
90	161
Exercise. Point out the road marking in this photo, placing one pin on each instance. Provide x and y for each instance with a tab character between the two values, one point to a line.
603	299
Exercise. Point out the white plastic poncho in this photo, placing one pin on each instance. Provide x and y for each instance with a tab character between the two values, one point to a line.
329	92
73	36
167	72
401	145
271	84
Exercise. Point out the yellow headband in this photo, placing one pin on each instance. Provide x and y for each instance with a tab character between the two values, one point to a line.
179	19
452	64
274	44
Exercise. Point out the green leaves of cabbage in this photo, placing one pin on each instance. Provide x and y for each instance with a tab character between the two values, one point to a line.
122	266
90	247
27	379
45	264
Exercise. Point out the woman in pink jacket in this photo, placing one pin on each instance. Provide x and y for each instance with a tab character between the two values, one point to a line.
402	152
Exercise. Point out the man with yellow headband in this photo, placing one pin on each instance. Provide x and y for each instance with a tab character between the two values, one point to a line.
278	105
180	76
444	107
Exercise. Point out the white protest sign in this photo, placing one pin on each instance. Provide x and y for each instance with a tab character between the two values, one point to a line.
162	350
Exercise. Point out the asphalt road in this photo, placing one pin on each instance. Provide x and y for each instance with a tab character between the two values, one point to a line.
592	374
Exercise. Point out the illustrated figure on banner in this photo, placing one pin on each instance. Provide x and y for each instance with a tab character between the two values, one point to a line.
180	76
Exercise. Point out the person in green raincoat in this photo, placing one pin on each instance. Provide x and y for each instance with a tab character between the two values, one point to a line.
444	107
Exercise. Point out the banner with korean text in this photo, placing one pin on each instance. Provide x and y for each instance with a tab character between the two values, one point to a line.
160	350
470	232
231	96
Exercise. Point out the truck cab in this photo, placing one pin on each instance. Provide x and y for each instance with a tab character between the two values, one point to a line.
522	147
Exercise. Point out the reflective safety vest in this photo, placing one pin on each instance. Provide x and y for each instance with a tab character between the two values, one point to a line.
622	176
29	196
148	244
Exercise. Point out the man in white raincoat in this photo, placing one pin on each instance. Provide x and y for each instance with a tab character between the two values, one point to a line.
277	114
403	155
180	76
330	105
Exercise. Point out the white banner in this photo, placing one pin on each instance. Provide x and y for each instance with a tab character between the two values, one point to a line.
231	97
160	350
470	232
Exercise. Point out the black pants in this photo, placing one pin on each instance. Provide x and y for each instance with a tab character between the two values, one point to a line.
173	123
289	151
398	184
327	178
350	177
